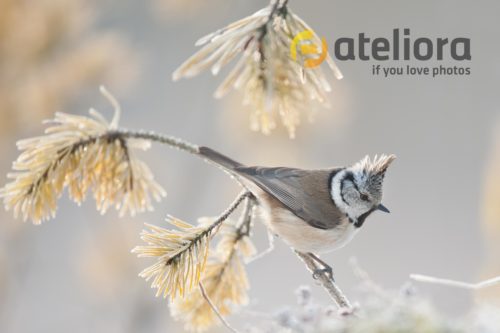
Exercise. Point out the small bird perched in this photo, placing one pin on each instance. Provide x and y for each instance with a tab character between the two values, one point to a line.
313	211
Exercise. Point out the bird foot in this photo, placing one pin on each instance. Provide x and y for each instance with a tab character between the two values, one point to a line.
328	271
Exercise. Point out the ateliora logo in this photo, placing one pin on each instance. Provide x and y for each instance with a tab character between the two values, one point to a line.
401	47
303	41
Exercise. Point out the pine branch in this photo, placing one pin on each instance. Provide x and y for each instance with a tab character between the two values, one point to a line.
181	254
215	310
454	283
275	88
224	283
159	138
80	153
83	153
327	282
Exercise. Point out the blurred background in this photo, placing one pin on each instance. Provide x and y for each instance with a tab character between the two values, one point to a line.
76	272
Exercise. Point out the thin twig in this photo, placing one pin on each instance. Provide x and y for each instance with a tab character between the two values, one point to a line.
274	8
160	138
210	229
361	274
225	214
269	249
215	225
243	230
174	143
454	283
327	282
114	103
151	136
215	310
245	223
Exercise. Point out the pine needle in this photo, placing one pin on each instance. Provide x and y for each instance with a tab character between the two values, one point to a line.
80	153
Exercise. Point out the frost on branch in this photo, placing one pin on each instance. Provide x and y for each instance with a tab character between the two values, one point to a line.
274	85
80	153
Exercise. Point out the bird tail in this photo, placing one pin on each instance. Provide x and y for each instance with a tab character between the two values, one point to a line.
218	158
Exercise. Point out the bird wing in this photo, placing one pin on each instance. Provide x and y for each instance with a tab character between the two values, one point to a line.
306	193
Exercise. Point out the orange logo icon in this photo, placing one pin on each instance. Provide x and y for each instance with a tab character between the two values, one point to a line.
304	42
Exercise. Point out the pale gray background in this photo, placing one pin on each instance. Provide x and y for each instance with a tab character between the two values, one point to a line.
441	130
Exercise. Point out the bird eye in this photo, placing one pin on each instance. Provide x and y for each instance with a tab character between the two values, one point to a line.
363	197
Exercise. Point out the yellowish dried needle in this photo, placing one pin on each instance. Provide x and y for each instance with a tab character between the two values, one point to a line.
275	87
181	253
224	281
82	154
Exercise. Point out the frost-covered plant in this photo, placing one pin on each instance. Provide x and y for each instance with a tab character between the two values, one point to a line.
274	85
380	311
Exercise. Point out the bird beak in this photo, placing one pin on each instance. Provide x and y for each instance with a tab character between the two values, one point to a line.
383	208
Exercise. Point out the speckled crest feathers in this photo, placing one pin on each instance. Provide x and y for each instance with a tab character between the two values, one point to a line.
376	166
373	170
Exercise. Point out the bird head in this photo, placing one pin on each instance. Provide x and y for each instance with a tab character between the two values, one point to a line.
357	190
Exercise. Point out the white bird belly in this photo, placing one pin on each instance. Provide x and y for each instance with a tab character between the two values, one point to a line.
303	237
296	232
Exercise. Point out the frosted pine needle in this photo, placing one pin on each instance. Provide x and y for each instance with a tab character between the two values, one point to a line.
79	153
274	85
224	280
181	256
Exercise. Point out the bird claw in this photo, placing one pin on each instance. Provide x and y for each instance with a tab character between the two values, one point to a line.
328	271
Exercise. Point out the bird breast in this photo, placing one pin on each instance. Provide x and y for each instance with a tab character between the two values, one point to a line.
299	234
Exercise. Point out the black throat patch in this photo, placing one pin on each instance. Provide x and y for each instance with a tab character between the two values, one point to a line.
362	218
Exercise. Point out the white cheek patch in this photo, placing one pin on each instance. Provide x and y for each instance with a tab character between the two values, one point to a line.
352	212
336	193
